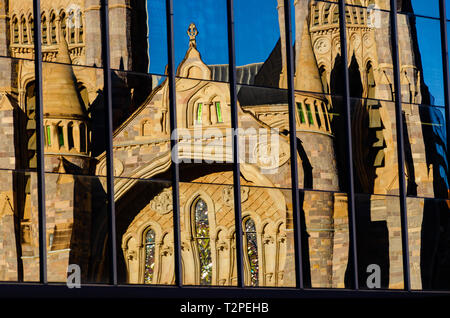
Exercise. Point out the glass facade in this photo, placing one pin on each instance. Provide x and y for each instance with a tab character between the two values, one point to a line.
233	143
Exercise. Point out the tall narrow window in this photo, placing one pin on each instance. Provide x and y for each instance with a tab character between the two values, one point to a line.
326	13
24	31
335	15
219	113
81	28
301	115
53	29
63	25
201	236
70	135
149	256
49	136
199	113
72	27
44	30
15	31
83	144
60	136
309	114
316	110
31	28
252	250
325	115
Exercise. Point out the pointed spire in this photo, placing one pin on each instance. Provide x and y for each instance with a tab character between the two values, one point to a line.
59	86
307	76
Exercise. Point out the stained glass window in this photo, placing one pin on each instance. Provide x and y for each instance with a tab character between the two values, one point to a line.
201	232
149	256
252	251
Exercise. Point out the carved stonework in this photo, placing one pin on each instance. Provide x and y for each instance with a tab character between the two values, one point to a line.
162	203
228	195
322	45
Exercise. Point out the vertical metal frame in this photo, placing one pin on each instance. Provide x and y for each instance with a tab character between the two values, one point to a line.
235	147
299	281
400	143
40	143
107	99
353	254
445	65
173	144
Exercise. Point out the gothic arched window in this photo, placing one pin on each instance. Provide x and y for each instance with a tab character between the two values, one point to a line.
80	28
44	30
202	240
219	113
31	28
252	250
53	29
70	135
15	31
23	24
83	134
63	19
149	266
72	18
199	114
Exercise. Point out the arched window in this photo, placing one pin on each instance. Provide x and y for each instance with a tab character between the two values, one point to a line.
31	28
149	266
23	24
202	240
325	114
219	113
70	135
44	30
326	13
63	19
316	15
301	115
80	28
15	31
316	110
252	250
53	29
83	138
72	27
60	132
198	118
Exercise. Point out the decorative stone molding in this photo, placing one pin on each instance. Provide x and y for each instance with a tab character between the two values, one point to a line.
322	45
162	203
227	195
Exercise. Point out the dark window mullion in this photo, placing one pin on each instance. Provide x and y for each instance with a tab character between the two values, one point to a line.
234	127
107	99
173	144
353	258
40	143
400	143
293	148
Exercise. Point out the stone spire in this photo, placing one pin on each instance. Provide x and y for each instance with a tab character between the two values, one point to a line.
61	99
307	73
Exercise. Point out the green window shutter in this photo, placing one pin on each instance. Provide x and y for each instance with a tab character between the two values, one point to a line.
309	113
219	113
199	113
49	136
300	113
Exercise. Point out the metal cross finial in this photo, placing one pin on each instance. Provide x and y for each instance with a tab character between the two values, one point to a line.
192	32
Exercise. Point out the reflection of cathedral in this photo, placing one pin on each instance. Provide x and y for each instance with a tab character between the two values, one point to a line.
75	202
